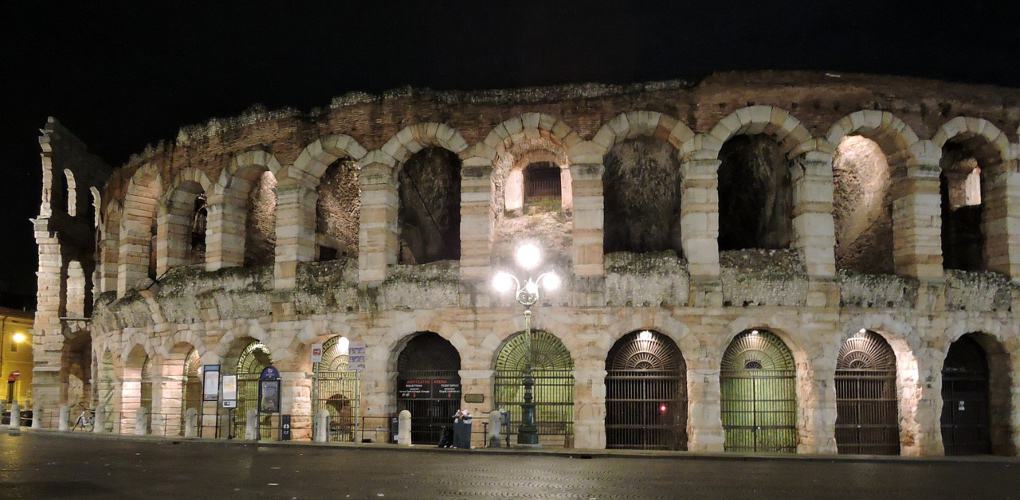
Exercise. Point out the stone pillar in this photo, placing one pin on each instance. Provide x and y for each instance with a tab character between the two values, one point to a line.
170	402
251	424
704	421
295	231
586	250
141	421
813	227
1001	214
15	423
191	423
589	406
476	382
173	232
917	223
494	437
133	259
296	401
816	405
404	428
75	290
47	338
377	390
378	230
699	228
322	426
225	230
63	420
99	420
476	219
37	416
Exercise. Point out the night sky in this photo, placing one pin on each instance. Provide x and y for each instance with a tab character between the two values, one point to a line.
122	77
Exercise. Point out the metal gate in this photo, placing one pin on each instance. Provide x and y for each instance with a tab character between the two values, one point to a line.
867	419
191	388
646	393
552	371
145	394
759	396
428	385
254	358
965	419
337	391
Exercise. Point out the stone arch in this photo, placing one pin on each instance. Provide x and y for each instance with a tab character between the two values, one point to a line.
641	123
72	193
426	378
428	183
182	212
95	207
792	136
137	388
966	126
337	208
996	388
414	138
181	384
233	236
317	156
136	260
869	395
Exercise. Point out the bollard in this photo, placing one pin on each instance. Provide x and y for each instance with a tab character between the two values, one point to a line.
251	425
322	426
404	428
190	423
37	416
65	416
495	428
15	417
99	420
142	422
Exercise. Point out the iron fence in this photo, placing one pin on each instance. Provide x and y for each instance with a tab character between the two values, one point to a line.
646	409
759	410
554	403
866	412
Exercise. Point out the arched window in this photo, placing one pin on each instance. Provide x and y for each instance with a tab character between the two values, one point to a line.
542	187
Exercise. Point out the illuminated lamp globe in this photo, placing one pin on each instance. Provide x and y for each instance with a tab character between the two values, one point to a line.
552	282
18	337
528	256
502	282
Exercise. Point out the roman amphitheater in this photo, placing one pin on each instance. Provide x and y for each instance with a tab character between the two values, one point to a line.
750	262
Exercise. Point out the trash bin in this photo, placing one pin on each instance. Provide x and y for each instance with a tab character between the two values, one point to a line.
462	434
394	429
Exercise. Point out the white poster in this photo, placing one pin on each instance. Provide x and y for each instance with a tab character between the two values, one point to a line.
317	353
211	386
356	356
230	391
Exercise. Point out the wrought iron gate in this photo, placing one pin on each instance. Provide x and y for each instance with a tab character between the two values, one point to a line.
337	391
552	371
965	418
759	397
867	419
254	358
428	385
646	393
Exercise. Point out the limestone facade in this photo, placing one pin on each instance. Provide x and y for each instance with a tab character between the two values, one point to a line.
700	297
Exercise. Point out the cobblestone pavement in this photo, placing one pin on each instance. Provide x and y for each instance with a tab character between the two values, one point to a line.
61	466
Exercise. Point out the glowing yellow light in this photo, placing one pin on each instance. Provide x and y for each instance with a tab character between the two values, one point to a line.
19	337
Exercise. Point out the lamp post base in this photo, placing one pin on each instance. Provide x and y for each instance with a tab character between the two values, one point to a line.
527	434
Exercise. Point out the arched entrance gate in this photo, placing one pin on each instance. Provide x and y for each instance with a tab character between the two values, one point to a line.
759	396
552	370
867	419
646	393
254	358
965	416
337	391
428	385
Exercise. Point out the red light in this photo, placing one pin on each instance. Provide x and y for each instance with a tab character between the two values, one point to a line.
662	408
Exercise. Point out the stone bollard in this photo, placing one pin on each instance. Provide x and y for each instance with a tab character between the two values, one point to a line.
37	416
322	427
65	415
191	423
15	417
495	428
99	420
251	425
142	422
404	428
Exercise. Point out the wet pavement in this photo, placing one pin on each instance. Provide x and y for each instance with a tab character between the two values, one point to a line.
61	466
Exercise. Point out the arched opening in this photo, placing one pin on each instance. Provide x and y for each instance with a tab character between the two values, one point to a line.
76	372
646	393
862	206
867	418
106	394
966	162
552	370
641	189
336	390
187	214
755	194
252	358
338	211
759	394
429	214
428	385
72	193
136	390
260	225
191	388
543	191
976	397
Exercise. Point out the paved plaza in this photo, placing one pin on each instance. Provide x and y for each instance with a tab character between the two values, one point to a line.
62	466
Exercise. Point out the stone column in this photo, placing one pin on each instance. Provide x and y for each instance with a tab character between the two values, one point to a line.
589	406
376	388
816	405
47	339
813	227
917	223
225	230
377	233
699	229
295	231
173	233
170	402
1001	214
476	219
586	189
704	421
296	401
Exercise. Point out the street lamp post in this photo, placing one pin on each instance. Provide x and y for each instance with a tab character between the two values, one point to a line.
528	257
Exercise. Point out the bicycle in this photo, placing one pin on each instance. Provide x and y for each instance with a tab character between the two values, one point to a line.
86	419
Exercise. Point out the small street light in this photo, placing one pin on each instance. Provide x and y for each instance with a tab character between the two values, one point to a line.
528	257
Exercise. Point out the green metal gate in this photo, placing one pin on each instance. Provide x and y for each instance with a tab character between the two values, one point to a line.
867	420
759	396
253	359
965	415
337	391
552	370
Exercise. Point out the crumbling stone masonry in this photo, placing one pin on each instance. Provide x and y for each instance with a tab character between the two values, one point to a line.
857	168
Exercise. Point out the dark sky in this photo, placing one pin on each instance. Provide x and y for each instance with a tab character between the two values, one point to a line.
123	76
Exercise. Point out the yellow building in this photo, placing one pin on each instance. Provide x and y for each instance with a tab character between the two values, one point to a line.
16	356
